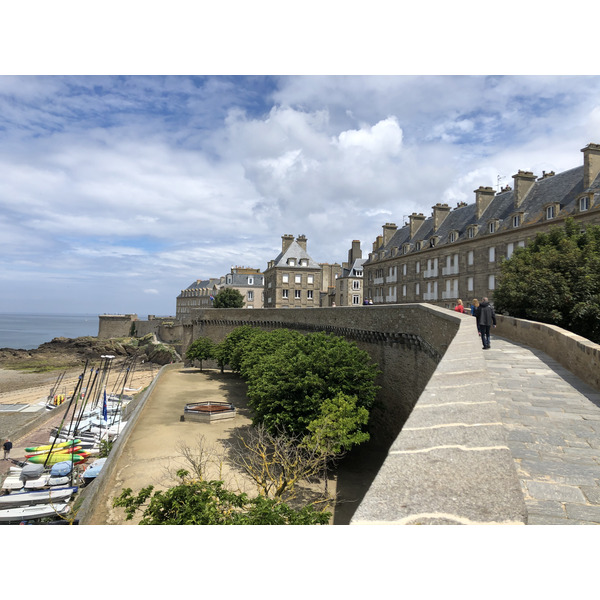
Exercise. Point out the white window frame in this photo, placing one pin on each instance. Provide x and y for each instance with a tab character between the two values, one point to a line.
470	257
470	284
491	282
310	279
285	278
492	254
297	278
584	203
309	294
285	294
297	294
250	296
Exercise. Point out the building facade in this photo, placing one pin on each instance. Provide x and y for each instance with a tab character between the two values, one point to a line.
201	293
457	253
293	279
349	285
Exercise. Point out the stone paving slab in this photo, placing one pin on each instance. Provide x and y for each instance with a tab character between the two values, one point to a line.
551	419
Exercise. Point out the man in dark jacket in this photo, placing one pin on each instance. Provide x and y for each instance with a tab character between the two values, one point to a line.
7	448
486	317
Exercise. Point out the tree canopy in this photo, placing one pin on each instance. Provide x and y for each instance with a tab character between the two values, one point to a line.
555	280
201	349
195	502
294	380
228	298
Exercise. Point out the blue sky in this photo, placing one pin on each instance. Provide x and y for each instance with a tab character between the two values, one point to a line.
118	191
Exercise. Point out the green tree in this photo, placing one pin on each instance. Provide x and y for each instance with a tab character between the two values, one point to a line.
201	349
555	280
229	298
194	502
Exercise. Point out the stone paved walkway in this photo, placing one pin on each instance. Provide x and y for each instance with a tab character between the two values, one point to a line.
552	420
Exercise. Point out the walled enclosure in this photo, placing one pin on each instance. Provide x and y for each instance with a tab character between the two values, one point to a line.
406	342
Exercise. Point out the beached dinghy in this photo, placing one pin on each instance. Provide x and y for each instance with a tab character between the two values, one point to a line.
60	469
13	482
30	471
37	497
55	482
39	483
29	513
93	470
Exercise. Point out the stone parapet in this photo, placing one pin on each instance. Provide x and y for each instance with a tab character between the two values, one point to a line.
575	353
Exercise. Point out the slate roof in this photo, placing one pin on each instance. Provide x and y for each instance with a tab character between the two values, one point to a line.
295	251
563	189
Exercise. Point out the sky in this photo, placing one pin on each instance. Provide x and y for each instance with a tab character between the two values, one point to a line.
118	191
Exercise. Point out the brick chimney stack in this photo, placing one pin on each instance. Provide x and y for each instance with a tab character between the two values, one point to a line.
354	253
591	164
389	229
483	197
523	181
301	239
416	220
286	241
440	212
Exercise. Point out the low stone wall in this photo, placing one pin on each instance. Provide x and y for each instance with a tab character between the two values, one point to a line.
575	353
91	495
450	464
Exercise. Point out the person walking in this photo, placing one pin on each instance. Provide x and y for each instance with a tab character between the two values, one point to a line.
486	317
459	306
7	448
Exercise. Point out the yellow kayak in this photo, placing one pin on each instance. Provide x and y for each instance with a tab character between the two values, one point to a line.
48	446
76	457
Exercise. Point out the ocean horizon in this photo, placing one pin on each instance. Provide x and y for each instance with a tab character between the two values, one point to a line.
26	331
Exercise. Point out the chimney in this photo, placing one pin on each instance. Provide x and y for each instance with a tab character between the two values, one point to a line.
377	243
483	197
389	229
591	164
440	212
286	241
416	220
355	252
523	181
301	239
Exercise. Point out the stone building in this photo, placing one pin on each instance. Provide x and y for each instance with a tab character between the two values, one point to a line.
457	253
201	293
294	279
349	285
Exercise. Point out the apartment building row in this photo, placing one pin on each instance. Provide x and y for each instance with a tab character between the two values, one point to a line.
458	252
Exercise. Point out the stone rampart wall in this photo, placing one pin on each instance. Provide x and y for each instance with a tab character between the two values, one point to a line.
575	353
406	342
113	326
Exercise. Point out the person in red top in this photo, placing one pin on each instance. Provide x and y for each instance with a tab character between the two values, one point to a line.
459	306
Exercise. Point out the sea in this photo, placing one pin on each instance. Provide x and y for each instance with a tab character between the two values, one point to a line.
27	331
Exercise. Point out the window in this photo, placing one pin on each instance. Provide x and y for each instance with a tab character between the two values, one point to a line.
285	278
550	212
355	299
492	254
297	278
584	203
297	294
470	257
417	289
404	290
310	279
492	282
250	280
510	248
304	262
404	270
418	245
418	267
453	236
309	294
471	232
285	293
291	262
250	296
433	241
470	284
516	221
492	227
356	285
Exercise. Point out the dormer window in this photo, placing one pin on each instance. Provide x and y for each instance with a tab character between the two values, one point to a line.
517	220
418	245
291	262
453	236
471	231
492	226
405	248
433	241
551	211
250	280
584	203
304	262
